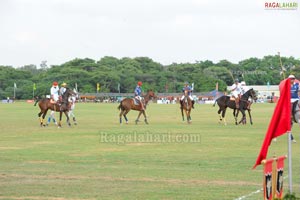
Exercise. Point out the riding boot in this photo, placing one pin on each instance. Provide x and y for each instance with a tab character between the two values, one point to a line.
193	102
237	103
142	106
181	102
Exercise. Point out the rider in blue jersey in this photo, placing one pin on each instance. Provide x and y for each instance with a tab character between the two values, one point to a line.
294	89
189	90
294	96
138	93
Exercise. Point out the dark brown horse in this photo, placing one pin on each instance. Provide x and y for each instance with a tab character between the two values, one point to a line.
186	107
128	104
224	102
62	107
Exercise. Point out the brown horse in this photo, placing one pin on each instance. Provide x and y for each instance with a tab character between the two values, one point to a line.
128	104
63	107
186	107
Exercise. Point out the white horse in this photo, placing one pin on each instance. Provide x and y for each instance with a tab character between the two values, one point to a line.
72	100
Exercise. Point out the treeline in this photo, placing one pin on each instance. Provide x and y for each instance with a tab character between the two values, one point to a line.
121	75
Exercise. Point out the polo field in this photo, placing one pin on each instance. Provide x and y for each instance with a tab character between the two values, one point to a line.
167	159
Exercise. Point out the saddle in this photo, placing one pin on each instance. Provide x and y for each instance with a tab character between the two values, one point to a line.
57	103
137	102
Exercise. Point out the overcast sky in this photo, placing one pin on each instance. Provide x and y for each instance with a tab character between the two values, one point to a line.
165	30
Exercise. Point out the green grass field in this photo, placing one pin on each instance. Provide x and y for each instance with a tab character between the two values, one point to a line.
167	159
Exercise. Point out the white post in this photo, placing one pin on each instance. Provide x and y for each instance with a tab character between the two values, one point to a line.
290	161
14	92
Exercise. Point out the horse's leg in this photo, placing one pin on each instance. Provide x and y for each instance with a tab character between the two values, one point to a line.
235	115
145	117
182	114
43	117
190	118
187	117
250	117
60	116
120	116
223	115
125	116
68	119
244	117
220	116
40	113
40	118
138	118
243	120
73	115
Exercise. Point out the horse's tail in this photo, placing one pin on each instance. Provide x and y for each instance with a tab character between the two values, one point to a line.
215	103
120	106
36	100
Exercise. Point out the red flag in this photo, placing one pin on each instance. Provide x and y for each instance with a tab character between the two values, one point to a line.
281	119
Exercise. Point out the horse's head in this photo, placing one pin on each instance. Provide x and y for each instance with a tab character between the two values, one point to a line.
251	93
76	93
186	93
68	93
151	94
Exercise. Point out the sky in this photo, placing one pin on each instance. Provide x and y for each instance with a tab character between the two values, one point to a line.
168	31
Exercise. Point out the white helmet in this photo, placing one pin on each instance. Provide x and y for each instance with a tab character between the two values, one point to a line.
291	76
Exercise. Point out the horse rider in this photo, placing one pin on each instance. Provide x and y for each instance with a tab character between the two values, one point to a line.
294	96
63	88
189	90
244	89
138	93
54	90
294	89
236	92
